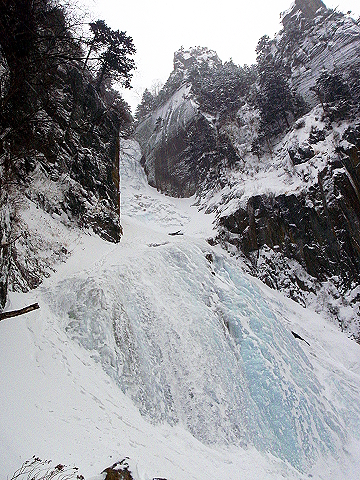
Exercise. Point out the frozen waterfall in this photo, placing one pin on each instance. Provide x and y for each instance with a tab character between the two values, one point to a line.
193	340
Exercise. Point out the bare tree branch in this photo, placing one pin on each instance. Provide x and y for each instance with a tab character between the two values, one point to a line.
16	313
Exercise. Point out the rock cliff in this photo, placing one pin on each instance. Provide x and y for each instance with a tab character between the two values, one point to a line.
306	8
181	145
315	38
59	145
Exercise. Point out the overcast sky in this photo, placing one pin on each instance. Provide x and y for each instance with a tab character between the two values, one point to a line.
160	27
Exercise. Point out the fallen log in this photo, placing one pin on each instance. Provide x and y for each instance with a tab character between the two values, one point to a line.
15	313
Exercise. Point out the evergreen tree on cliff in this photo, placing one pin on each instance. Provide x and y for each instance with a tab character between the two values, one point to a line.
146	105
277	103
40	54
114	61
338	92
221	88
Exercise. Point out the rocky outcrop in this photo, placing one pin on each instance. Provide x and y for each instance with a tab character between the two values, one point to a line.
185	59
308	8
178	156
118	471
320	229
5	247
313	39
163	137
181	145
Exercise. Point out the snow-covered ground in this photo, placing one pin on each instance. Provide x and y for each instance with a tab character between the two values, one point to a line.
163	350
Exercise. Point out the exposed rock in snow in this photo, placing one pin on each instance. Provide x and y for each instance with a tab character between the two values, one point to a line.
163	136
315	39
308	8
185	59
181	146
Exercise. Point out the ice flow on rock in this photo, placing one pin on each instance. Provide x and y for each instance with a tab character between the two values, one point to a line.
192	339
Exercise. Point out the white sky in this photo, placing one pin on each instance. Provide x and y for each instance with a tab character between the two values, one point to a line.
160	27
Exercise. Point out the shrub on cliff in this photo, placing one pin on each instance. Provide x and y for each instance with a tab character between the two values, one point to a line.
221	89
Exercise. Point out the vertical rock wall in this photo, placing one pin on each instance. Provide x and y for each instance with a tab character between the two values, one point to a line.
5	247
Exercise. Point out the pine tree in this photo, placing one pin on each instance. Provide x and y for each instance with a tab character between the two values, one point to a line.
146	105
101	32
336	92
114	59
221	89
277	103
332	87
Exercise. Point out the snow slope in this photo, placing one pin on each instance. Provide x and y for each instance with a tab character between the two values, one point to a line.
162	350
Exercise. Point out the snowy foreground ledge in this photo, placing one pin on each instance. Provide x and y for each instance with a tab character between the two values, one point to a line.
162	350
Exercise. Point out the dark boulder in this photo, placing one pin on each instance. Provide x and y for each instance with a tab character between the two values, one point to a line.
300	154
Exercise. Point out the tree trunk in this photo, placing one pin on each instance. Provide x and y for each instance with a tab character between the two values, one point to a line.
89	53
101	76
16	313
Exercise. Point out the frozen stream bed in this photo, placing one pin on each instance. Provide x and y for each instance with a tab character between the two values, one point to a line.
163	350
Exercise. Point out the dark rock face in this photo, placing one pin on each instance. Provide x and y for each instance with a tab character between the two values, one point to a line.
164	142
320	230
301	154
181	147
308	7
87	149
316	136
71	172
5	247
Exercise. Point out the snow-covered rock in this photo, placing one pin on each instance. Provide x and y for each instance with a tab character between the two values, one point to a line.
314	39
181	144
